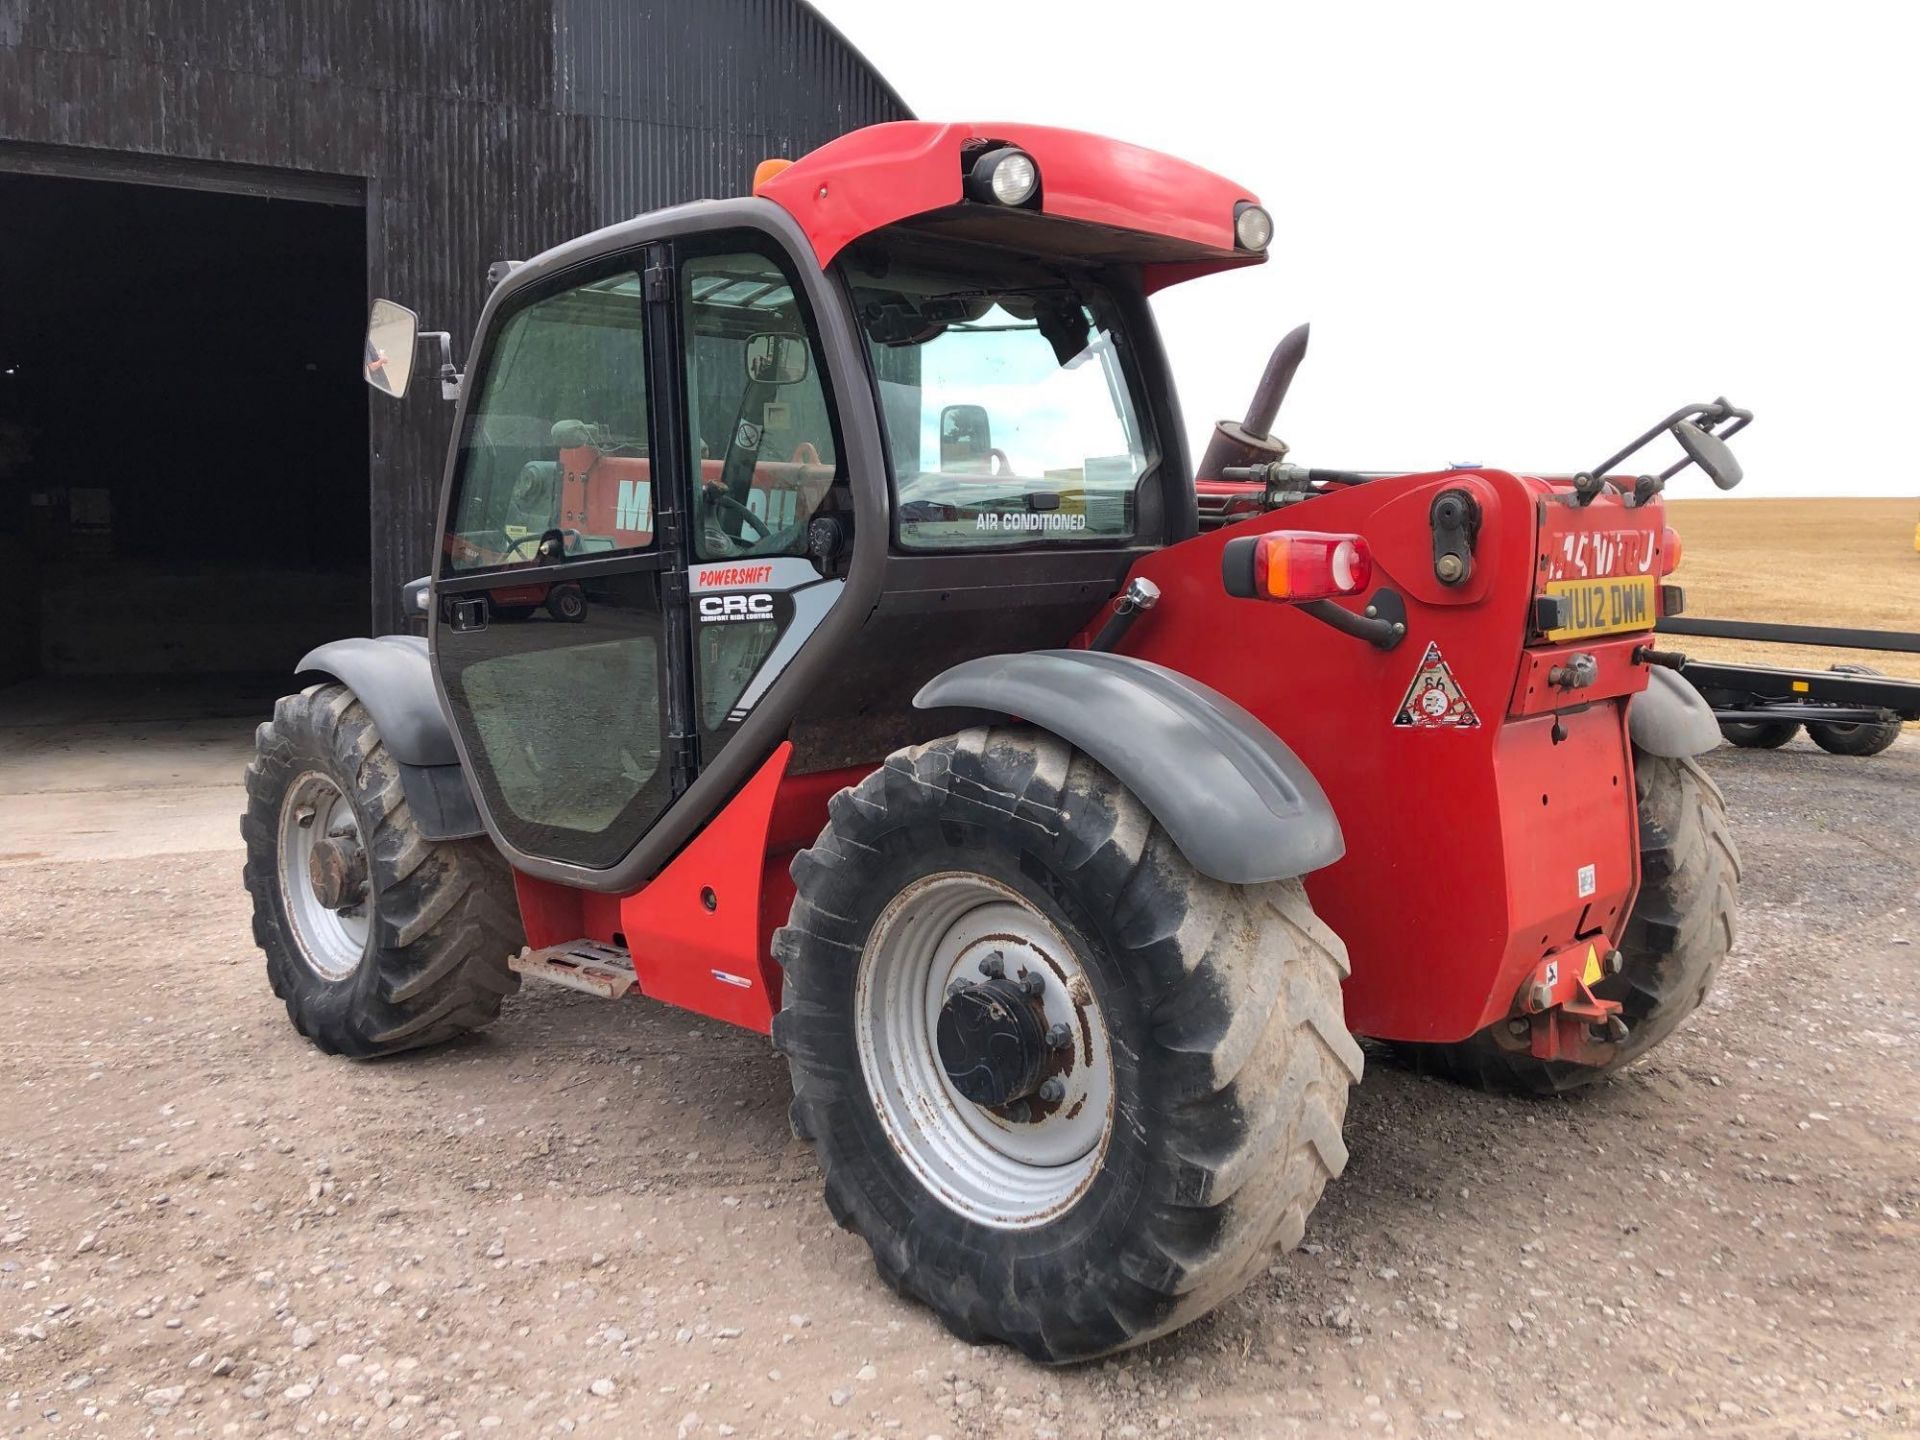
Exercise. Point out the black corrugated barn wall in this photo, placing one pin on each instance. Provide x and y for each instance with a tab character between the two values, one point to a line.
479	129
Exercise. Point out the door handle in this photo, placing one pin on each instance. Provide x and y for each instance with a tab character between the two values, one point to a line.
467	613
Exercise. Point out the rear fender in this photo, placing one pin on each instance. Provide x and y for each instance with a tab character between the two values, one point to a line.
393	677
1240	805
1669	718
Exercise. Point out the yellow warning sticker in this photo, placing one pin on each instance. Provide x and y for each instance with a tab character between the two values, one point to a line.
1593	974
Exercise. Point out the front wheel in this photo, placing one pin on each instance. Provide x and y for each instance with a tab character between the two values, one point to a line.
1679	930
1071	1091
377	938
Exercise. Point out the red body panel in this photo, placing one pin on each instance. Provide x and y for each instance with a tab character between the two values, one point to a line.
718	959
883	174
1466	845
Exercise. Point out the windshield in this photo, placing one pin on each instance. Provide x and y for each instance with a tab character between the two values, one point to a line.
1008	412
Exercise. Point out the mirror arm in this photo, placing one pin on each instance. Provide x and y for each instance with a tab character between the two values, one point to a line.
449	375
1710	415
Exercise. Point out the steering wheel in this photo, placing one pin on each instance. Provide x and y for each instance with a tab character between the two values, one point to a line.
718	499
805	454
569	533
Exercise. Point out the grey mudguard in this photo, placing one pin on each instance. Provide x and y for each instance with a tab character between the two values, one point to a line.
1240	805
394	680
1669	718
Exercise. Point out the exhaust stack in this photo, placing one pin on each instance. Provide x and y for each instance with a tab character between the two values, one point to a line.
1250	441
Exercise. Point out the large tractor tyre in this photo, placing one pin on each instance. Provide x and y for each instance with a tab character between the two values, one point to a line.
1868	739
1680	929
377	938
1070	1091
1759	734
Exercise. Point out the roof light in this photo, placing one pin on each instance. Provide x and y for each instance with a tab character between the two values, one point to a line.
1252	226
1004	175
766	170
1296	565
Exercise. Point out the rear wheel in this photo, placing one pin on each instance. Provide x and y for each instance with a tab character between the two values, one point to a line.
1869	739
1069	1090
377	938
1680	929
1759	734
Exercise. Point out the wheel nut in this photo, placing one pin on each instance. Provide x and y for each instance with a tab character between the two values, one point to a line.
1542	996
1053	1089
1519	1029
1617	1029
1616	962
993	967
1032	984
1059	1037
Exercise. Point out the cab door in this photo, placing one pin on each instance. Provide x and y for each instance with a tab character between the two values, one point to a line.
658	410
563	660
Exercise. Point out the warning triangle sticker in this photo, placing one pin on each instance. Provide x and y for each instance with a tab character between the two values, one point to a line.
1435	701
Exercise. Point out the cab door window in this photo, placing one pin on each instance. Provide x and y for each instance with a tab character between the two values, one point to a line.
555	461
762	429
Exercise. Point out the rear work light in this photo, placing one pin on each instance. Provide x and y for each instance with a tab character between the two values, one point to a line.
1252	226
1004	176
1295	565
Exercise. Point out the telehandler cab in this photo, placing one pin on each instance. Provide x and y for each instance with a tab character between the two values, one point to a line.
820	638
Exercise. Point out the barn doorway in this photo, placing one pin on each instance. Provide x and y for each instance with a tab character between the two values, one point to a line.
183	434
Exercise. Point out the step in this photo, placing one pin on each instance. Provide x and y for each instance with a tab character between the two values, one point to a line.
589	965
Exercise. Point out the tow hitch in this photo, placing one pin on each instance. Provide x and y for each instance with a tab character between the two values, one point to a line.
1560	1017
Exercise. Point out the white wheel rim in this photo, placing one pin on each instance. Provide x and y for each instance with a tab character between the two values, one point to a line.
998	1170
331	942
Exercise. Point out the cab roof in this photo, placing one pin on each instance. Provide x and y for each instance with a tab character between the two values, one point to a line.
1108	201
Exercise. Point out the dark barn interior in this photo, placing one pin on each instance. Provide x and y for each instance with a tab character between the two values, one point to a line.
183	431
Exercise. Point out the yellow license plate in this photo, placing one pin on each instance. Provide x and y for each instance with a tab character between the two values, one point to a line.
1605	606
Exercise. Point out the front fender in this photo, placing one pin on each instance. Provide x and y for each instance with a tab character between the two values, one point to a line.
1669	718
1241	806
393	677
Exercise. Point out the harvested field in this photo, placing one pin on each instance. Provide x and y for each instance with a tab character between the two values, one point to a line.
1801	562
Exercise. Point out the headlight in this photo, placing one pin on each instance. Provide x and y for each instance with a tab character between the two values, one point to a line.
1004	175
1252	226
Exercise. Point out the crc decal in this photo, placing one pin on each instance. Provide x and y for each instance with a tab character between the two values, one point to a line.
1584	881
1434	699
731	609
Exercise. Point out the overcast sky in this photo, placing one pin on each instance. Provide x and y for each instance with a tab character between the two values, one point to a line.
1522	232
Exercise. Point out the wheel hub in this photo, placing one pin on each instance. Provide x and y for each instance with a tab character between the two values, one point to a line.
984	1049
992	1039
337	867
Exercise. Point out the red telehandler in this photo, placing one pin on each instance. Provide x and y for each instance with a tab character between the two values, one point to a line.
821	638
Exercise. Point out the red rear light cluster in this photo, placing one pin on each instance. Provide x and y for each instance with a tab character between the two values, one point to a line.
1292	566
1669	550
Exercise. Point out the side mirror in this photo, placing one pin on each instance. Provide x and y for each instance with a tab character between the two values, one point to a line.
966	438
776	359
1710	453
392	332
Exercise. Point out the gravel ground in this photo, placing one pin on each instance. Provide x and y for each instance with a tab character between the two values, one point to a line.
593	1218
